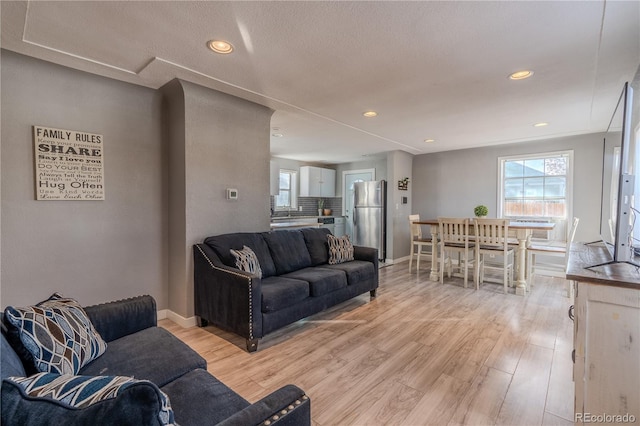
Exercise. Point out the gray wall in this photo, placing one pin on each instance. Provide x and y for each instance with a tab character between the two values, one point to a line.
453	182
169	156
399	166
90	250
165	180
219	142
174	127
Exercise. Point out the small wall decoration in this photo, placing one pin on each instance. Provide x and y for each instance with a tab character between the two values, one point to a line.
403	184
68	164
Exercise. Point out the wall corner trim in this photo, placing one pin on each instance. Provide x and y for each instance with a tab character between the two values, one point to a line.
177	318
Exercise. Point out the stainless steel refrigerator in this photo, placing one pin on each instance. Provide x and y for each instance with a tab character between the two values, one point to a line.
370	215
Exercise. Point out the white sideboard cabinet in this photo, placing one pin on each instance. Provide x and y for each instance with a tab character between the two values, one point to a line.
606	338
317	182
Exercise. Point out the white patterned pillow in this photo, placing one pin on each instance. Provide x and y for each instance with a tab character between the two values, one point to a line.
82	392
58	334
340	249
246	260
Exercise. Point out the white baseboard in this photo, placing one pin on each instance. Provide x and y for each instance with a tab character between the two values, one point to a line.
178	319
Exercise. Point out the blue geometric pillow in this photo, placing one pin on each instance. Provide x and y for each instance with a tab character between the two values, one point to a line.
58	334
71	399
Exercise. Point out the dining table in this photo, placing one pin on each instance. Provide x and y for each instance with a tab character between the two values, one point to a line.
520	230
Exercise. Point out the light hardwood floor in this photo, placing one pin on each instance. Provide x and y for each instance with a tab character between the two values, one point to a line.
420	353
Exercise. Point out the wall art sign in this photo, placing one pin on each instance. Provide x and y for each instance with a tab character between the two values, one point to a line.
69	164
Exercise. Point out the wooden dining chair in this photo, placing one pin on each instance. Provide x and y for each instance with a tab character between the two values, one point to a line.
492	238
418	243
534	250
454	238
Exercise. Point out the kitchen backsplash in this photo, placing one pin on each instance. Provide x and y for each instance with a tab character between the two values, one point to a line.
310	206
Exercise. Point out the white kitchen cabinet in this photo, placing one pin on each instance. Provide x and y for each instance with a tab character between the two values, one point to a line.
606	368
317	182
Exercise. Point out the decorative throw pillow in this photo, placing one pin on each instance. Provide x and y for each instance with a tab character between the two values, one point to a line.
340	249
58	334
74	398
246	260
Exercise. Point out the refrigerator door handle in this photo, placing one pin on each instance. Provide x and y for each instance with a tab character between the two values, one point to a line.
381	239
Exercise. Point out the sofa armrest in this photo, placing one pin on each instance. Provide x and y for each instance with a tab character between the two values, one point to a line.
288	406
114	320
366	253
225	296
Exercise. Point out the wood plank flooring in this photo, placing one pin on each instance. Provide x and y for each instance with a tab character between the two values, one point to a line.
421	353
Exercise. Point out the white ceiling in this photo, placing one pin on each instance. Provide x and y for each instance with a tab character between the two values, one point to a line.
430	69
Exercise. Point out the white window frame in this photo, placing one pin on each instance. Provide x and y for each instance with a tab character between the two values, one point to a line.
568	195
293	191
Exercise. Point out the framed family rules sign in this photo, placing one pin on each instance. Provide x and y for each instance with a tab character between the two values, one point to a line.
69	164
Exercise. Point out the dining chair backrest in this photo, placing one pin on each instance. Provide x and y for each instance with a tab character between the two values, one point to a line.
454	230
416	230
491	232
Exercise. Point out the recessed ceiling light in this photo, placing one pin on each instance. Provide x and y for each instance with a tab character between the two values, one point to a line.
370	114
521	75
541	124
429	140
277	135
220	46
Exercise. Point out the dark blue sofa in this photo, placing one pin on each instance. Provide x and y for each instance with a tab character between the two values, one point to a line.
296	282
137	348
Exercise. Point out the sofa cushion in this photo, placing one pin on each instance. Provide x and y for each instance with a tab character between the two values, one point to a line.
149	354
48	398
356	270
58	334
288	250
246	260
281	292
316	242
340	249
198	392
222	244
321	281
10	364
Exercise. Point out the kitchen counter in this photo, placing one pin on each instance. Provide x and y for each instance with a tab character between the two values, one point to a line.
294	222
290	225
298	218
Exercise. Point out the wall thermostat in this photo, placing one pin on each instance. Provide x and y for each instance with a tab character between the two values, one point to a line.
232	194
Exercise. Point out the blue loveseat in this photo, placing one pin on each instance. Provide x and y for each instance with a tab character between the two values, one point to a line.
136	347
297	280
